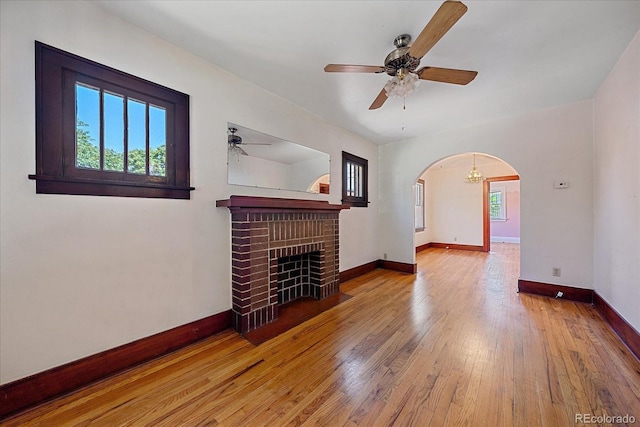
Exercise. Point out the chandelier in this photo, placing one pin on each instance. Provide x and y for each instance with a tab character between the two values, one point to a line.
474	175
402	84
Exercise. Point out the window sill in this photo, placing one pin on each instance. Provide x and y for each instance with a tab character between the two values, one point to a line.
499	219
46	184
355	203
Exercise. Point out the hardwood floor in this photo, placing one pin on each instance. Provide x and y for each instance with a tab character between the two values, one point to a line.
453	345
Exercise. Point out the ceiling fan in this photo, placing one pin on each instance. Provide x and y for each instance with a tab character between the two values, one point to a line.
402	62
235	141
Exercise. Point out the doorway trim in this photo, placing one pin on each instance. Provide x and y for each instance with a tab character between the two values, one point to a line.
486	223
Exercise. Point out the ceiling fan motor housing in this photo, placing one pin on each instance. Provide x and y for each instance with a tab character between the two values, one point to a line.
235	139
399	58
232	138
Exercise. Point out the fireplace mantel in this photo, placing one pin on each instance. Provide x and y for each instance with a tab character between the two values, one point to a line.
267	231
251	202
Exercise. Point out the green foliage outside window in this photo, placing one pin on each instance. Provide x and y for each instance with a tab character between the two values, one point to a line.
495	204
88	156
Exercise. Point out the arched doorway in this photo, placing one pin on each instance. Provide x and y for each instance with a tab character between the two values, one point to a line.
452	213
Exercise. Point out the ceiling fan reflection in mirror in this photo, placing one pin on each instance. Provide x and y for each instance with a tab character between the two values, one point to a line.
402	62
235	142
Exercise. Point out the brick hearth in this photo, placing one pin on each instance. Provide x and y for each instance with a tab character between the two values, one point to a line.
265	230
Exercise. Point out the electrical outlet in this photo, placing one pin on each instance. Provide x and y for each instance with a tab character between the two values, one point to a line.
455	239
385	255
555	271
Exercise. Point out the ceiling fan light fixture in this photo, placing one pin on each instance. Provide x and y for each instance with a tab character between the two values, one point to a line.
402	84
235	150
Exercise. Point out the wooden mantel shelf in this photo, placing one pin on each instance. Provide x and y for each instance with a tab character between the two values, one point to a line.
251	202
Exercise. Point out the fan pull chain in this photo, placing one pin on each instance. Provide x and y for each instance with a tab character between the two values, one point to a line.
404	102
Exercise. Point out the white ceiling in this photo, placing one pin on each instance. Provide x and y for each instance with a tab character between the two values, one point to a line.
529	54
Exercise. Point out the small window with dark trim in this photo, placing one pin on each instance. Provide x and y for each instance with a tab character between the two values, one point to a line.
100	131
354	180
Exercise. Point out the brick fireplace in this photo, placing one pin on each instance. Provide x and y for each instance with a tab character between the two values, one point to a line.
281	250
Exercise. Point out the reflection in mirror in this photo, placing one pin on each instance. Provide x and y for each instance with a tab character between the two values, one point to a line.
320	185
259	160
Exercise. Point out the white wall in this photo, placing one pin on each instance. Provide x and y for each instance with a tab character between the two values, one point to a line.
547	145
454	207
617	187
83	274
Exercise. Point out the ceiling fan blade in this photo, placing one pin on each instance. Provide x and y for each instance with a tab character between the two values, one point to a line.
255	143
380	99
344	68
447	75
442	21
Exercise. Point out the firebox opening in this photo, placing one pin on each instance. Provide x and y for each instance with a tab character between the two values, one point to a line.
299	276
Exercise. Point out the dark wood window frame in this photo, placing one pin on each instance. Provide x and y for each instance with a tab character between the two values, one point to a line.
57	72
361	200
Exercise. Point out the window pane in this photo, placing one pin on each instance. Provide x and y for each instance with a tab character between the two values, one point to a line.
495	205
354	179
113	110
137	136
87	127
157	140
419	217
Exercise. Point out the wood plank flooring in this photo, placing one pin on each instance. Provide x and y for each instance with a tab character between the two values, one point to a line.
453	345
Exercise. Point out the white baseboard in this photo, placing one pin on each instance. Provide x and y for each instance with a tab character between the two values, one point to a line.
498	239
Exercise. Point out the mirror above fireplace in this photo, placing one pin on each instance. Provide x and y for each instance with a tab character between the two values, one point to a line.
256	159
